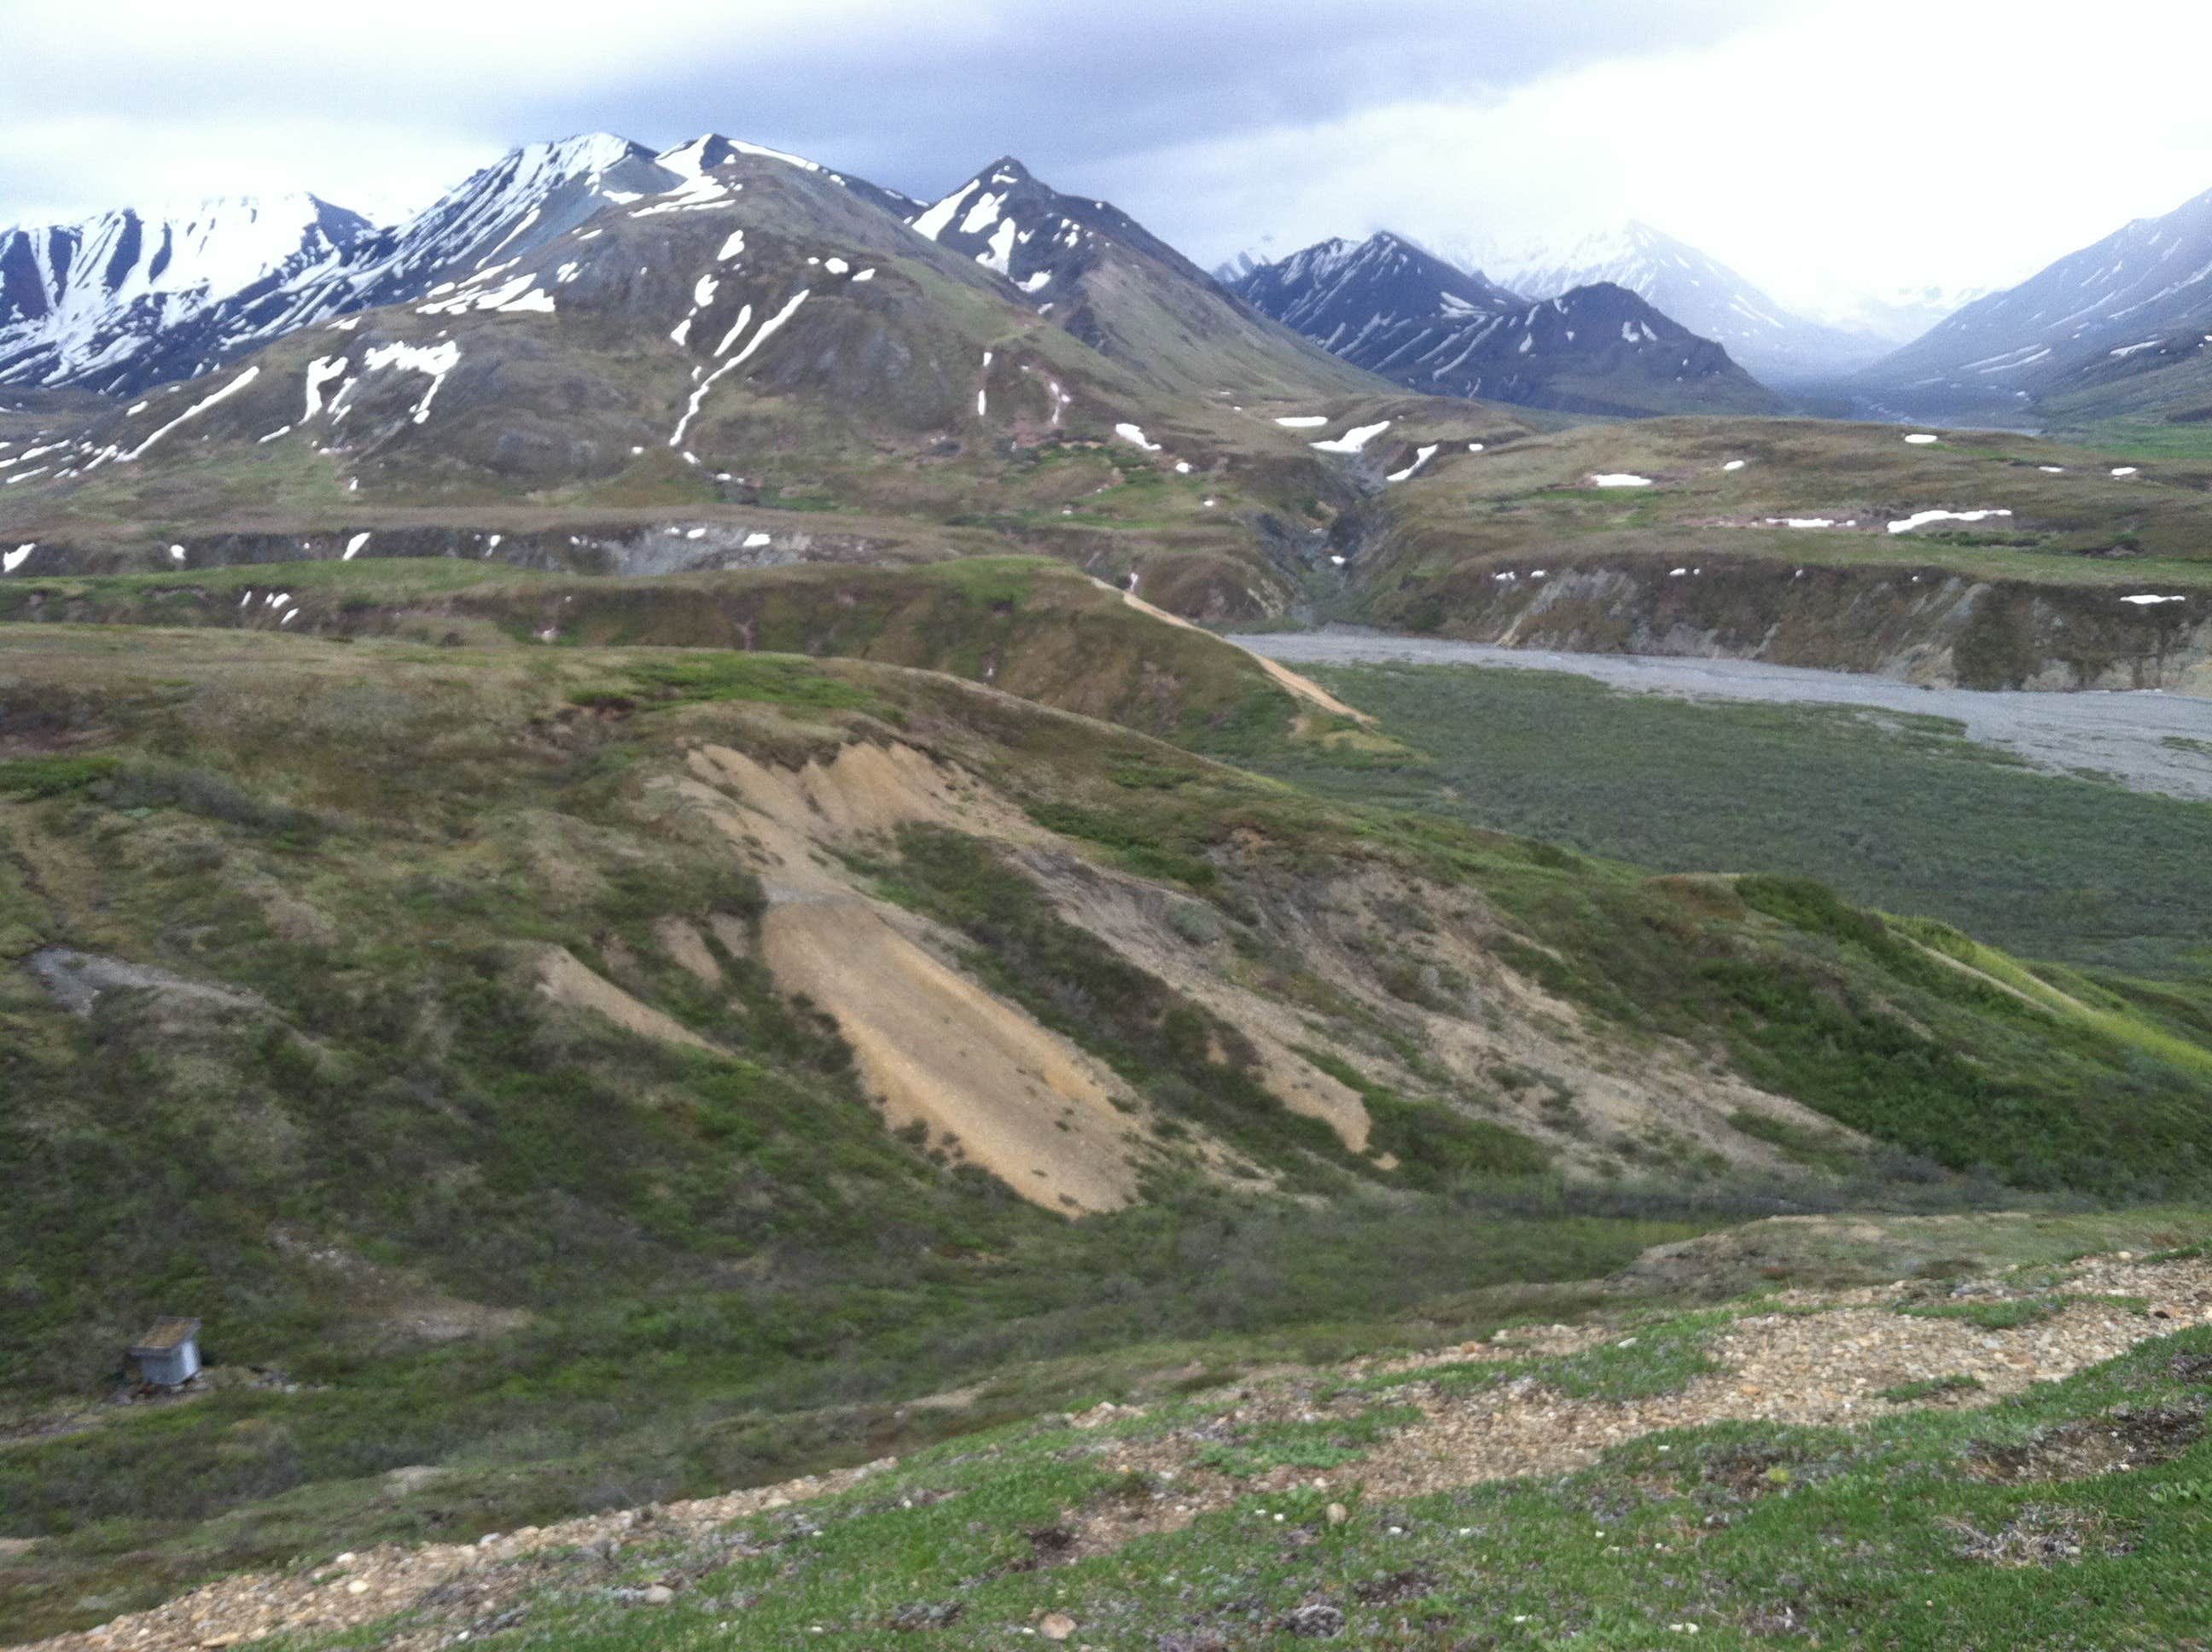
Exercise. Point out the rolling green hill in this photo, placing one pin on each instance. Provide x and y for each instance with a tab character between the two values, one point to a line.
496	1039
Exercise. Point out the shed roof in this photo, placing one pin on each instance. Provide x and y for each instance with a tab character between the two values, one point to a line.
166	1337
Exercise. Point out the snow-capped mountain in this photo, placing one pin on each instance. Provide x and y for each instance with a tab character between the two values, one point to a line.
1703	294
1117	286
92	304
1355	298
2120	306
1010	221
524	201
1404	313
712	312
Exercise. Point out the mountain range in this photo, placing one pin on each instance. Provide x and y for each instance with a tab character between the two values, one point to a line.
2119	326
1628	322
1092	269
589	323
1704	295
1401	312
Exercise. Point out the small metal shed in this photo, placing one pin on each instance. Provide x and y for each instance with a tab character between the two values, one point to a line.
168	1356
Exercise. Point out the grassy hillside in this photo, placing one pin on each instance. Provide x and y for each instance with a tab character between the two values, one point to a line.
1028	626
2079	525
443	1020
1645	1475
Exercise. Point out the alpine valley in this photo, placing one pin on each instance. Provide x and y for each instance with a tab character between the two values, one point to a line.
780	912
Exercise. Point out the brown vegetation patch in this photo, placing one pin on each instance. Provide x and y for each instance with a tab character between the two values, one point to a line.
2129	1437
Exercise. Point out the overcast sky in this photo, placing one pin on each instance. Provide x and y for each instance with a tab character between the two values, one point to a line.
1822	147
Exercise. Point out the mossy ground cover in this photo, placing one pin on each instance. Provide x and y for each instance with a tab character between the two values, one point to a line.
1031	626
1909	1531
668	1274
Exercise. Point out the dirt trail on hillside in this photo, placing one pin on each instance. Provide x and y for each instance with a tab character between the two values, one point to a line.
1799	1357
1304	687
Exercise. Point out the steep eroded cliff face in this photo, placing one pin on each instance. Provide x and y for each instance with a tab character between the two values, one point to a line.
1929	626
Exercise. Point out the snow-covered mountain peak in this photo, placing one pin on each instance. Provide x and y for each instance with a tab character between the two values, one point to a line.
1008	219
705	153
1703	293
1392	306
258	271
1338	290
76	300
584	153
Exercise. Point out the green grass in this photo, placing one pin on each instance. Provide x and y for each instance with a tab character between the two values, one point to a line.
1329	1444
674	1273
774	680
1026	624
49	777
2142	440
1660	1356
1732	1535
1933	1387
2008	1315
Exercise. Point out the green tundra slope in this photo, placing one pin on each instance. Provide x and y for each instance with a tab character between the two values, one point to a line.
605	1070
1029	626
1972	1455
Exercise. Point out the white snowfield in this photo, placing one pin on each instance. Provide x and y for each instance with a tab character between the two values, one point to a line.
2148	600
1922	439
1304	421
1136	433
768	330
1352	439
196	409
106	284
1621	479
1421	457
1922	518
320	372
435	360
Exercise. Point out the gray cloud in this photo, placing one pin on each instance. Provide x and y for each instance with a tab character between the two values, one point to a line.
1074	90
915	97
1824	146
